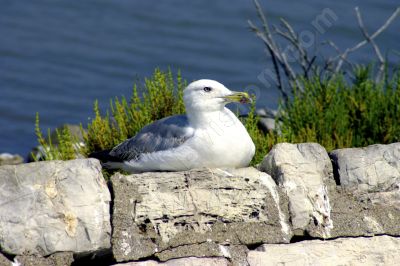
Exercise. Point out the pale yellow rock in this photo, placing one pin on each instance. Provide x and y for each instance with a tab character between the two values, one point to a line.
71	222
51	189
191	261
378	250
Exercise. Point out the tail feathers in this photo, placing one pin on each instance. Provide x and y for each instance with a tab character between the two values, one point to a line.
104	156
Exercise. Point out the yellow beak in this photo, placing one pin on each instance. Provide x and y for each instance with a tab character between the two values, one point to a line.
238	96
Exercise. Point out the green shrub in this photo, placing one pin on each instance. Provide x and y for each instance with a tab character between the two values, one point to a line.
337	114
64	147
161	96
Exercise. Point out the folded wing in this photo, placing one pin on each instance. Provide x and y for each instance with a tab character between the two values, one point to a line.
164	134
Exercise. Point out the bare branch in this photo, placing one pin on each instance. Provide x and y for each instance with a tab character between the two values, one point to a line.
288	73
273	55
344	55
295	42
264	21
370	40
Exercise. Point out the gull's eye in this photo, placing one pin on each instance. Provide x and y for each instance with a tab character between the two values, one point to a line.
207	89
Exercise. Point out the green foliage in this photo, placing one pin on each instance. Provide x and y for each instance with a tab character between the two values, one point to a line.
62	149
337	114
161	96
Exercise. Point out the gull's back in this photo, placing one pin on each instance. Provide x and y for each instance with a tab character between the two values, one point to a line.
163	134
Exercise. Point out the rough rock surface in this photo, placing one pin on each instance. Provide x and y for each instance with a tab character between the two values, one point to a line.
353	215
4	261
196	213
379	250
375	168
304	172
192	261
367	202
56	259
55	206
10	159
266	119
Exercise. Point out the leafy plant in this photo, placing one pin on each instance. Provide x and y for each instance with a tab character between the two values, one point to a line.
337	114
161	96
64	148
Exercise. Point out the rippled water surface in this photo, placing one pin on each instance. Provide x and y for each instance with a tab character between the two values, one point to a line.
58	56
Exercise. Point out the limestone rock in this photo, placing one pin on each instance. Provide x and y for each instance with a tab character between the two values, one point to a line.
56	259
266	119
304	172
355	215
379	250
371	178
192	261
4	261
374	168
266	124
195	213
10	159
54	206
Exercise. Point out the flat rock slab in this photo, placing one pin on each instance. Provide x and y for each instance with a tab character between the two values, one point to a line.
375	168
355	215
367	202
192	261
195	213
54	206
304	172
378	250
10	159
4	261
56	259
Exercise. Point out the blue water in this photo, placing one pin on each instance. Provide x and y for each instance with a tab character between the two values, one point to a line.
58	56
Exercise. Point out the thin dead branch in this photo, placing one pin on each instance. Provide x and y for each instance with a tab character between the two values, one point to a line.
289	72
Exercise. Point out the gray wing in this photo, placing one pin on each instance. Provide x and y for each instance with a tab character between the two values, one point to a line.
164	134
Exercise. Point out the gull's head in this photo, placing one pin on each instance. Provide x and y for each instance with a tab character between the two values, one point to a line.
210	95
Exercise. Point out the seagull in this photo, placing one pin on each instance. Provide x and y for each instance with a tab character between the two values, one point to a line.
208	135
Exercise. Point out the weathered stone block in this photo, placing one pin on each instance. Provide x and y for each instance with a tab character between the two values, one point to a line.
375	168
304	172
379	250
195	213
54	206
192	261
56	259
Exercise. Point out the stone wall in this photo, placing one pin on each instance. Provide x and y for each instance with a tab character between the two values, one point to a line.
302	206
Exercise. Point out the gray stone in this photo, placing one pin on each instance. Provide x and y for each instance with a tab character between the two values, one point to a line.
192	261
56	259
266	119
10	159
195	213
4	261
368	202
375	168
354	215
54	206
379	250
266	112
266	124
304	172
